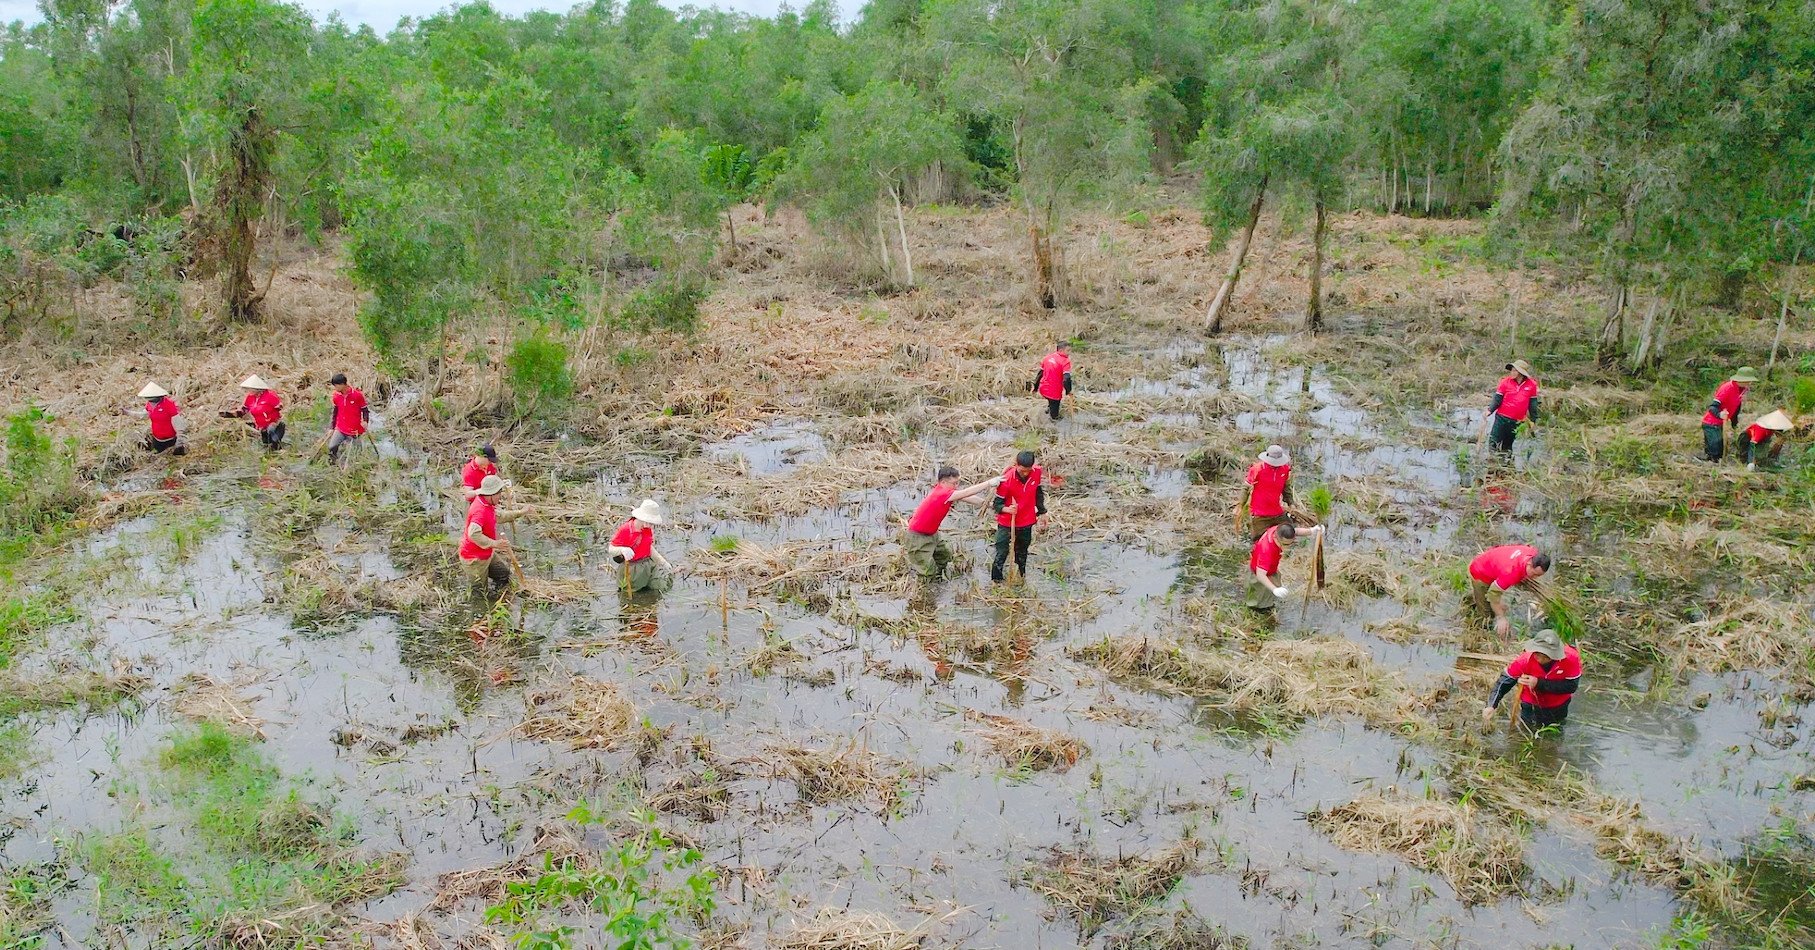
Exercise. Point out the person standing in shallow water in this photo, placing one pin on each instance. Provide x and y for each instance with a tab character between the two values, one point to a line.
350	417
1515	401
1053	379
1019	503
1266	586
1269	491
1723	412
1547	673
484	462
926	551
263	409
1497	570
634	547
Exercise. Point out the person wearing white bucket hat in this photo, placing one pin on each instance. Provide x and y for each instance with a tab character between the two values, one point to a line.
1269	491
479	539
1757	444
1515	401
163	414
263	410
634	547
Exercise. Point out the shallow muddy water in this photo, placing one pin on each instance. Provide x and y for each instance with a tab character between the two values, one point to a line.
464	789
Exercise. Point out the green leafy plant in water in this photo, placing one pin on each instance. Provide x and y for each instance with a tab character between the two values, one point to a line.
724	543
638	897
1321	500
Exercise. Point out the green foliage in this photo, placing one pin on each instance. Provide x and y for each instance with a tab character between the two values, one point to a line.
1802	395
724	543
38	488
23	617
25	895
664	306
643	893
537	371
1321	500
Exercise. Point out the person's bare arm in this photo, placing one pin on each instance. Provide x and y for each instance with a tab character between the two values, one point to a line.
966	494
476	534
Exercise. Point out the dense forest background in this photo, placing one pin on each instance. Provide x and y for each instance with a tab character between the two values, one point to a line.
540	174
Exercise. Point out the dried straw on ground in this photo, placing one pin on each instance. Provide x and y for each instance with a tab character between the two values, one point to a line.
840	772
1024	745
1294	678
552	844
1094	890
1481	858
587	713
764	568
845	930
203	698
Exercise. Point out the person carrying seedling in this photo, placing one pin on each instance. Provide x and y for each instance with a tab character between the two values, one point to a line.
350	416
1757	444
1546	672
1266	586
1020	501
1723	410
479	539
1269	491
262	410
1497	570
634	547
163	414
926	551
484	462
1053	379
1515	401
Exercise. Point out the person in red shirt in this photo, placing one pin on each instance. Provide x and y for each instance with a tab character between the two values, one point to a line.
1269	491
1020	501
1723	411
1497	570
479	539
1547	673
263	410
164	416
1266	586
1053	379
1515	401
634	547
926	551
350	416
484	462
1756	443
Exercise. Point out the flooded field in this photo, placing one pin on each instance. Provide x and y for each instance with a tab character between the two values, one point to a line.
950	762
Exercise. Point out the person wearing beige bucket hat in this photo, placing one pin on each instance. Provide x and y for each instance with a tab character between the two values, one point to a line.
1515	401
162	412
1758	443
634	547
1269	491
263	410
479	540
1723	411
1547	672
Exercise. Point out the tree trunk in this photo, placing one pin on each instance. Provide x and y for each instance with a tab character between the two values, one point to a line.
1646	329
907	257
1783	311
731	226
1613	327
882	247
1314	312
239	202
1042	251
1227	290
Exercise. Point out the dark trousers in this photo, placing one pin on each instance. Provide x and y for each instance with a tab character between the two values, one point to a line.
1022	538
162	445
1713	445
272	436
1052	408
1501	438
1537	717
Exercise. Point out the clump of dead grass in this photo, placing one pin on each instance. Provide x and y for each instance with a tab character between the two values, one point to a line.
1283	678
793	562
1184	930
586	713
203	698
839	772
552	846
1094	890
847	930
1482	858
1023	745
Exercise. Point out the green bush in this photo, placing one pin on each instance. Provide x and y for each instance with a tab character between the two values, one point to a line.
537	371
664	306
1802	395
38	487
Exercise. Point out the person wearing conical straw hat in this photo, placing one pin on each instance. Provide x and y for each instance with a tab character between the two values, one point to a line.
1515	401
634	547
1269	491
164	416
1757	444
1497	570
479	540
1723	412
1266	587
1547	672
263	410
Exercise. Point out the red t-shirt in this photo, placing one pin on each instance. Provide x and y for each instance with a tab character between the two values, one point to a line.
161	413
932	511
1023	495
1729	394
348	419
1269	483
1758	434
1266	553
1568	667
1504	566
1516	397
1052	375
264	407
484	514
640	541
472	476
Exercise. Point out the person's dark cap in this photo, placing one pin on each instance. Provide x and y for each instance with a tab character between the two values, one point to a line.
1024	458
338	379
489	453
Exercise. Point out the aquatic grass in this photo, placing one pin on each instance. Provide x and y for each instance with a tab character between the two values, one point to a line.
1022	745
1094	890
25	617
25	903
1481	857
1284	679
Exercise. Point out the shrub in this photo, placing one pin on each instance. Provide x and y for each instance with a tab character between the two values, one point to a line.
537	371
38	487
670	305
